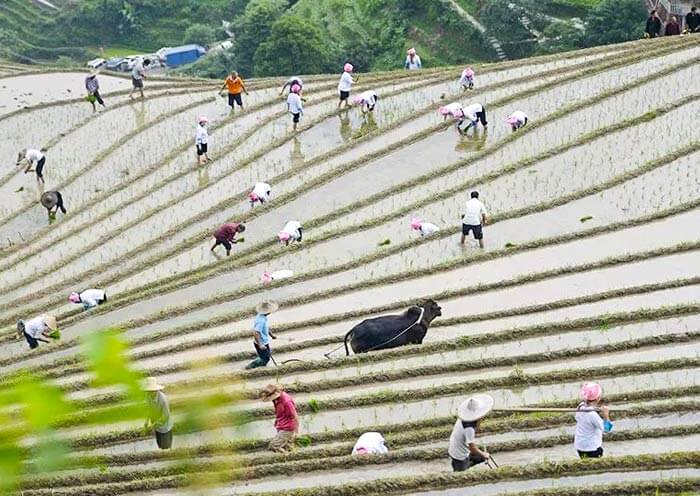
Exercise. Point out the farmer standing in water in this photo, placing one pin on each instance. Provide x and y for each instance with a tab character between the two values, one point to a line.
262	334
294	105
235	86
474	219
345	84
226	234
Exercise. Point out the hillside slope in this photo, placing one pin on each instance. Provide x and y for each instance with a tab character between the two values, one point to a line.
590	271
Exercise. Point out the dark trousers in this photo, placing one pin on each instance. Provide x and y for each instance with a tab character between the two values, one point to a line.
591	454
462	465
59	202
164	440
33	343
40	168
482	117
227	245
264	355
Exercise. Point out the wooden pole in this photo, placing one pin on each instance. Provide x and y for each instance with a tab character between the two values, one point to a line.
553	410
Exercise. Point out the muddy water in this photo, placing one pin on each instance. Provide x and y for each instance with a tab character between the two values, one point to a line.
22	91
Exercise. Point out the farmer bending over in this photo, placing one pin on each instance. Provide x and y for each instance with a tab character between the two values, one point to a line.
226	234
261	193
463	451
89	298
370	443
262	334
292	231
34	158
41	328
516	120
52	202
286	418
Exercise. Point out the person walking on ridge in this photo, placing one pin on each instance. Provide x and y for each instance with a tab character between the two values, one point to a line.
226	235
158	414
235	86
412	62
286	418
34	158
92	85
463	451
262	334
345	84
201	141
474	219
590	425
138	74
294	105
653	27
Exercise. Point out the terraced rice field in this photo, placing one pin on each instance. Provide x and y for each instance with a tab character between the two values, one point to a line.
591	271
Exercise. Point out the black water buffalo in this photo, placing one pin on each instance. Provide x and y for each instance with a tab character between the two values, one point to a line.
390	331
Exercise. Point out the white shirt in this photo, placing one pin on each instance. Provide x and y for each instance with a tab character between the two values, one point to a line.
455	109
137	70
262	190
91	297
33	155
460	440
589	431
202	136
415	64
292	228
346	82
464	80
426	228
471	111
373	442
369	97
294	104
474	212
519	115
34	327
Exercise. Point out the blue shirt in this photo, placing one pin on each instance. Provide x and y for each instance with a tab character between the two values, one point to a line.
261	328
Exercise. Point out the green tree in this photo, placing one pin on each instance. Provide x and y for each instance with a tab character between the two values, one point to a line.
253	28
199	34
614	21
295	46
560	36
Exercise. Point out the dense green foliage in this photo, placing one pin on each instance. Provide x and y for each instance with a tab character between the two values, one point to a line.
613	21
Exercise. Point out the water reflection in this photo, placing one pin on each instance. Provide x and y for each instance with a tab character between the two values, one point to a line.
345	127
139	109
472	142
369	125
297	157
203	176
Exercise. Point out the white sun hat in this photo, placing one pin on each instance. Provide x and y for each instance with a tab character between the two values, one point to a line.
151	385
475	407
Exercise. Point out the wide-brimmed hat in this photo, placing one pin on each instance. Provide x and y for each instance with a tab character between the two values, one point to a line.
49	199
475	407
151	385
50	322
270	392
266	307
591	391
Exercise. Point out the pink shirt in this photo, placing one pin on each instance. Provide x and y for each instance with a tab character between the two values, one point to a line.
285	413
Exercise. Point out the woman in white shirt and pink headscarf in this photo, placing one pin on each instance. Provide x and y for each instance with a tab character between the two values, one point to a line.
413	62
292	231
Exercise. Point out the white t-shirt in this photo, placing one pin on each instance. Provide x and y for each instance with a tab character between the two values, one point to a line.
34	327
292	228
589	431
33	155
373	442
262	190
202	136
473	212
137	70
294	104
426	228
92	297
346	82
519	115
369	97
459	441
413	64
471	110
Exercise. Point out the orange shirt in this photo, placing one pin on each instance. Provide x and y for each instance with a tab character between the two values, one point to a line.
234	85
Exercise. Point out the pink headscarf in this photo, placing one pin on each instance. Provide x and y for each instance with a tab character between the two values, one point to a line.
202	119
591	391
444	110
295	88
415	223
358	99
468	72
283	236
447	111
348	67
266	278
253	197
513	121
74	297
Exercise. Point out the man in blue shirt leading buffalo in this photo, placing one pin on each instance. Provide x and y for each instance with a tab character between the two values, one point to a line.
262	334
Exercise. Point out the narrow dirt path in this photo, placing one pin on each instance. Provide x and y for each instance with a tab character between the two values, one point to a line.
480	27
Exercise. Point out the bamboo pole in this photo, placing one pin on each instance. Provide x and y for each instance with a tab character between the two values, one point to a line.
554	410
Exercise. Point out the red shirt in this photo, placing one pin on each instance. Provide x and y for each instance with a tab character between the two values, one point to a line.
285	413
227	232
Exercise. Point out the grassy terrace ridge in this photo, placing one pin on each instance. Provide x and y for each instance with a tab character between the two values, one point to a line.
238	417
127	137
140	295
532	471
309	164
339	458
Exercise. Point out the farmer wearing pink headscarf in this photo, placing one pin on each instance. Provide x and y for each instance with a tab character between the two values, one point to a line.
289	83
345	84
201	140
591	422
261	193
516	120
454	110
467	80
412	60
89	298
294	105
368	100
425	228
292	231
